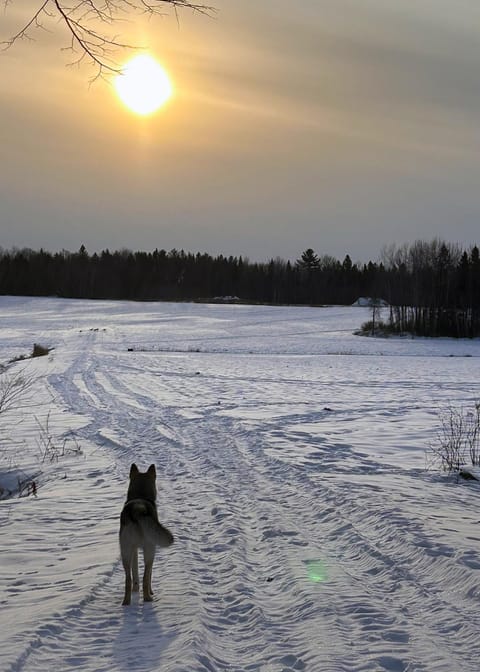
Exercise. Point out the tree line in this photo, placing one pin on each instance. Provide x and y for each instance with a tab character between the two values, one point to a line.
433	287
177	275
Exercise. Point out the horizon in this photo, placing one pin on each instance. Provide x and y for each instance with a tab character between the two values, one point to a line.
245	258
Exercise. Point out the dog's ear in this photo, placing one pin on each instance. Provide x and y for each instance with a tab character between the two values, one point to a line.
151	471
133	470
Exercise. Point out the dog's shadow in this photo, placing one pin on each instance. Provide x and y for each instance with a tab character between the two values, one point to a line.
140	641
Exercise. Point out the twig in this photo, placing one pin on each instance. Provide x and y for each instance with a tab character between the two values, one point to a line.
81	17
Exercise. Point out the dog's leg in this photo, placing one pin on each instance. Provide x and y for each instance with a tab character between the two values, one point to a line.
136	582
127	566
148	556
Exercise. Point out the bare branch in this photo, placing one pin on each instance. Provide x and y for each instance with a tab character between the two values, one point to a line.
90	25
12	390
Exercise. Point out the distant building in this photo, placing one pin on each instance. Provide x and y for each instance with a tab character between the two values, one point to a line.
369	302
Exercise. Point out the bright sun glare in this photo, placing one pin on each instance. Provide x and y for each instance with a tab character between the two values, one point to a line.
143	85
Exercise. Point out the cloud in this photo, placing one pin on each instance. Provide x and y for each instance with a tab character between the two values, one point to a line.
339	121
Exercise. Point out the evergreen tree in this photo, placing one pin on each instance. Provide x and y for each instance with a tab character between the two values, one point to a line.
309	260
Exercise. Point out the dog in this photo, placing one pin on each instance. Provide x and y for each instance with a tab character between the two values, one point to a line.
140	528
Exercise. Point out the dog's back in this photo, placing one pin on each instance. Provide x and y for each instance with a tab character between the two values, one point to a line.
139	525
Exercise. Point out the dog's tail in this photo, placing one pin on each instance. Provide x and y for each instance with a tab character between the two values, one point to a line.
156	532
143	513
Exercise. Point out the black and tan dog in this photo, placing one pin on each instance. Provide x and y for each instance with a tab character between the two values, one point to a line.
140	528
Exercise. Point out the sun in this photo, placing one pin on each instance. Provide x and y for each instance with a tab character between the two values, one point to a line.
143	85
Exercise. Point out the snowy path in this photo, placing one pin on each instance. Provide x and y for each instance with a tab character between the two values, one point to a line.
308	534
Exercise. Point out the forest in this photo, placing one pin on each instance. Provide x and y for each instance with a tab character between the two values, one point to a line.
432	287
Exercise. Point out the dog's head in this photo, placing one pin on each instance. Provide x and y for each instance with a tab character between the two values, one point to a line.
142	485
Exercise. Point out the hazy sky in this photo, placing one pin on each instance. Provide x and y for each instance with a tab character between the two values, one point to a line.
341	125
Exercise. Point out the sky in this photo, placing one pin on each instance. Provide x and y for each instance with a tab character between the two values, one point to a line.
340	125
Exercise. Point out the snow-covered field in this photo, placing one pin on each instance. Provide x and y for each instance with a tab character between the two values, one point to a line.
291	469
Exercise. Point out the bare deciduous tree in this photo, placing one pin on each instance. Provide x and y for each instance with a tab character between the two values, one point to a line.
91	25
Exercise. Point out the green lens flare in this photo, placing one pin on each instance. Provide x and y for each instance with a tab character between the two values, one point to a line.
317	572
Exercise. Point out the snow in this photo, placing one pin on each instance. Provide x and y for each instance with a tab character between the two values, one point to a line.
309	534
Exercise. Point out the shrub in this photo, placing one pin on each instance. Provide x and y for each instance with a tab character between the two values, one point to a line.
39	350
457	442
51	448
375	328
13	388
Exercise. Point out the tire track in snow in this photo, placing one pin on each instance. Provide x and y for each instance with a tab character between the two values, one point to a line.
234	591
236	613
382	597
385	552
294	624
87	495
